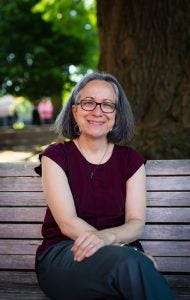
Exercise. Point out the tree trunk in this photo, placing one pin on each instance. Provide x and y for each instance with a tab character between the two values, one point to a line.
146	45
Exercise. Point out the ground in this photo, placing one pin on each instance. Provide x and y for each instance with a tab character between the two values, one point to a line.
18	156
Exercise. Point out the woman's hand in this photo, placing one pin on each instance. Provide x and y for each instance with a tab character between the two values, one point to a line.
89	242
153	260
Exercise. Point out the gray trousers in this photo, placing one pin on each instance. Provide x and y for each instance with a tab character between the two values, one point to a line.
113	272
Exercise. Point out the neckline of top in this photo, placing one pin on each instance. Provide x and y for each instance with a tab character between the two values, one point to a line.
101	164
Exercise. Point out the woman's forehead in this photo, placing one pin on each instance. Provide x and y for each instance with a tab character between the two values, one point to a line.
98	88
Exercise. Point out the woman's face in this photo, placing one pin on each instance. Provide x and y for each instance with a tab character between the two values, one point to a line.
95	123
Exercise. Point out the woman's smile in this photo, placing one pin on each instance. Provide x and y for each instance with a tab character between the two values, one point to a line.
96	122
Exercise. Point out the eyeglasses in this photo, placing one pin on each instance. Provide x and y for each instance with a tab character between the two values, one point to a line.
90	105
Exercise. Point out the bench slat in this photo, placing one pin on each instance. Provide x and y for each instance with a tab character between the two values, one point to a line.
33	292
25	184
15	277
153	167
17	169
179	280
168	167
173	264
23	262
168	198
29	277
155	248
182	293
174	183
26	262
25	285
166	232
167	248
25	247
22	214
153	231
24	231
154	214
158	199
24	292
168	214
22	199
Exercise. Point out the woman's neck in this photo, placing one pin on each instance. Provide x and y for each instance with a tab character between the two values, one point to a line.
93	145
94	151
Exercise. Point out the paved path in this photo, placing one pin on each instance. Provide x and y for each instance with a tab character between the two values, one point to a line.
17	156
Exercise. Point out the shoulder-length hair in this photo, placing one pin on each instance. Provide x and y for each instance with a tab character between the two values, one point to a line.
123	128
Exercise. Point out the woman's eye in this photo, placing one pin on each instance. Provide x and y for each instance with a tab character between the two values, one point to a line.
107	104
89	103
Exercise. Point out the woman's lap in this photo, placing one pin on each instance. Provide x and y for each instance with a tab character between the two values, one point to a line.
105	274
58	270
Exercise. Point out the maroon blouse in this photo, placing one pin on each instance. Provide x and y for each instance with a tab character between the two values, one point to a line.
99	200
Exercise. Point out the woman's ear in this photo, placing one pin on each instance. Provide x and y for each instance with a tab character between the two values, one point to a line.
74	110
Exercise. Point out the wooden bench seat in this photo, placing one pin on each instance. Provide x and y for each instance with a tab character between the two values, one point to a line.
166	234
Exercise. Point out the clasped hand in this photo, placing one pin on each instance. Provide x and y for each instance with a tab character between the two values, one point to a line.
88	243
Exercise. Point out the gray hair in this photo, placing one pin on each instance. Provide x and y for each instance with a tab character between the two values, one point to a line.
123	128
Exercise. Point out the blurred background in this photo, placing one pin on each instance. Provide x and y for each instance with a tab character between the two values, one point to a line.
47	46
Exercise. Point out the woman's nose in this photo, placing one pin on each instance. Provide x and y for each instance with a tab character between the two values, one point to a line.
97	110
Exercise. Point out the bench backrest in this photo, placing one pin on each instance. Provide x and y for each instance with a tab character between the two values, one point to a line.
166	235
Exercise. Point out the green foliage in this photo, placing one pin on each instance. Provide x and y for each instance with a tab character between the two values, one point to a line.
76	18
39	42
71	17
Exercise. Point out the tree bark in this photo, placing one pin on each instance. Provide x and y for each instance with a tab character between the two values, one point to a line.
146	45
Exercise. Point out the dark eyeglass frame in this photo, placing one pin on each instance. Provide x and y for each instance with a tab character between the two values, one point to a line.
96	104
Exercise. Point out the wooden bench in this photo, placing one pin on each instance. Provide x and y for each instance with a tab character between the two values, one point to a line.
29	138
166	234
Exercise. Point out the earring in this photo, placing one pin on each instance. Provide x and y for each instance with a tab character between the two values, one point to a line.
77	129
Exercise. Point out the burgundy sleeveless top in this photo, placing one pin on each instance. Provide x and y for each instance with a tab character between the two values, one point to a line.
99	200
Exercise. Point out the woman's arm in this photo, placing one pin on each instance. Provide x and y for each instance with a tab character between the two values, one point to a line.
60	200
135	211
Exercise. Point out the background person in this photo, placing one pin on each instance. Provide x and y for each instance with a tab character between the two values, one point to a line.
45	108
96	195
36	120
24	111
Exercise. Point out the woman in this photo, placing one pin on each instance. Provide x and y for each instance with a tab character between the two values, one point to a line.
96	197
